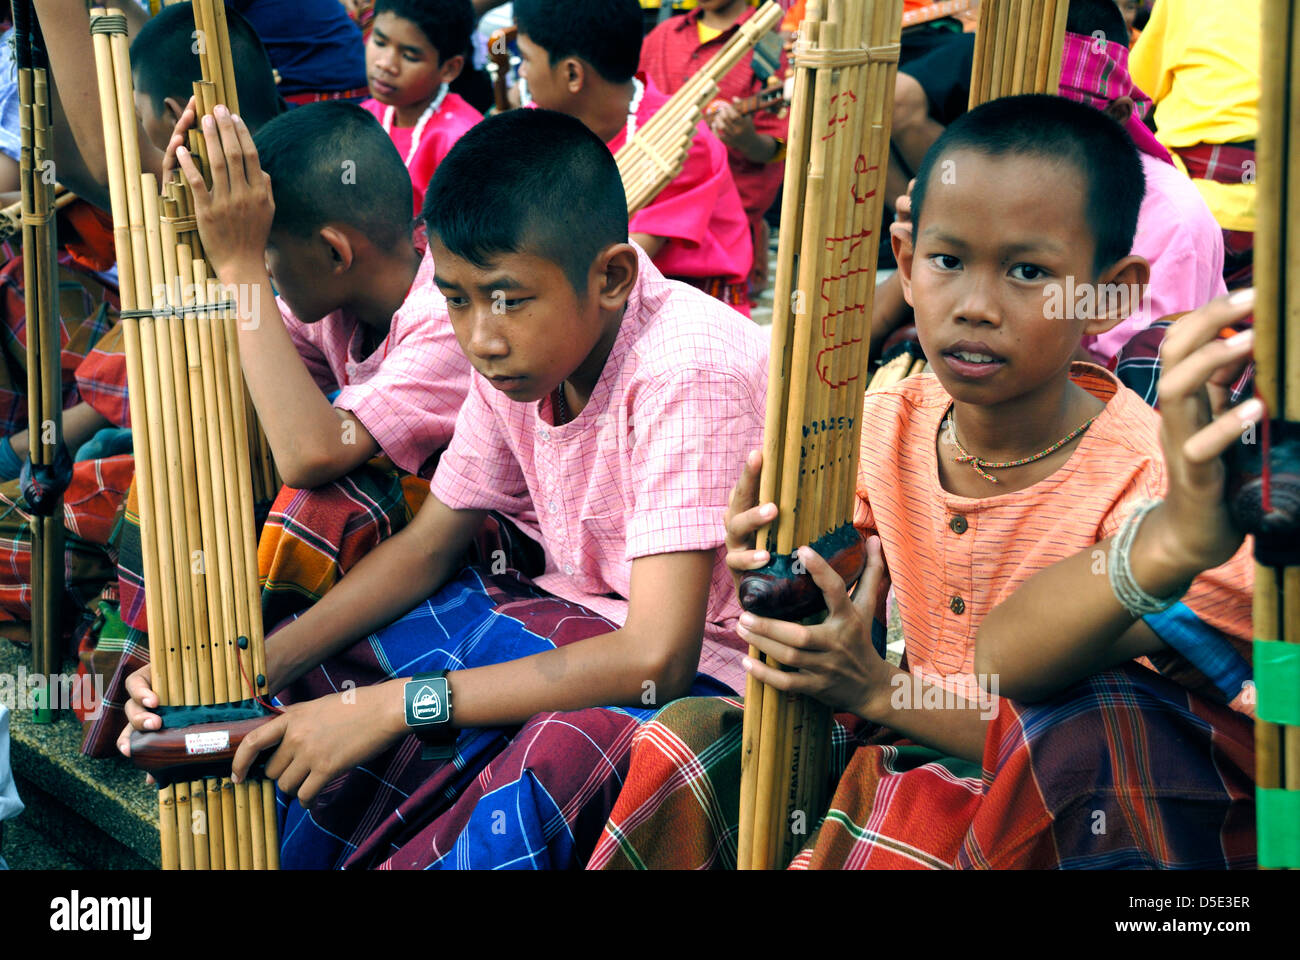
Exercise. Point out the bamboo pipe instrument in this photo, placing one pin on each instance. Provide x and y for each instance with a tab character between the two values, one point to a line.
36	223
11	217
193	436
656	153
844	68
1265	493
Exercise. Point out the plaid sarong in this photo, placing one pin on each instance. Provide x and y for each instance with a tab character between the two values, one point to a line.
101	379
313	537
90	511
531	797
87	309
1139	363
310	539
1126	769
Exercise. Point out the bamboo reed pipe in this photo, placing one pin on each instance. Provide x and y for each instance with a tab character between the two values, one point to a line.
116	143
227	61
1057	41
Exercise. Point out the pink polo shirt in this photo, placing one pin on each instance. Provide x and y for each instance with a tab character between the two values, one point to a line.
1179	237
408	391
699	212
645	468
440	134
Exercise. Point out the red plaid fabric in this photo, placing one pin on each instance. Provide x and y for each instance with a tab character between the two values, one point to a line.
1220	162
1125	770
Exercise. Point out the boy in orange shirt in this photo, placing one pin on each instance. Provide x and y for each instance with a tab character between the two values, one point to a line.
1011	495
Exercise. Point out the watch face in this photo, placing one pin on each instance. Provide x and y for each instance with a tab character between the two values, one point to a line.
426	702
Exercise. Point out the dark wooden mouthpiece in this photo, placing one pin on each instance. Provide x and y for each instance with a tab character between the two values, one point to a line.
1276	530
781	591
192	752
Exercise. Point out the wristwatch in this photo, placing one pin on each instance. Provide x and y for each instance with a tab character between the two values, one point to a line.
428	714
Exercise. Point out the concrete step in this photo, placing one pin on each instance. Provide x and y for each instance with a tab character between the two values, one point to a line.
96	813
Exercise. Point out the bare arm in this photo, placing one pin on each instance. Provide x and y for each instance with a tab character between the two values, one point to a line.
80	423
1064	623
655	653
651	245
78	132
389	581
311	440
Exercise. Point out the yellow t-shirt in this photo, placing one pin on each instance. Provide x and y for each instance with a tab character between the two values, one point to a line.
707	33
1200	63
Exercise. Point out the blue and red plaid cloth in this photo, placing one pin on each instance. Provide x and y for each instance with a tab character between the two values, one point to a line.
533	797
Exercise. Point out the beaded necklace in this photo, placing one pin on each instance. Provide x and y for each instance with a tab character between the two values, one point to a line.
420	124
982	466
638	91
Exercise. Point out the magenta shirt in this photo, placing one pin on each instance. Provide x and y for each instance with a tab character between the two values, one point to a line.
699	211
440	134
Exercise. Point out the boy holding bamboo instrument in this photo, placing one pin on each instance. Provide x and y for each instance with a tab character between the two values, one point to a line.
614	402
580	58
755	142
354	369
1009	494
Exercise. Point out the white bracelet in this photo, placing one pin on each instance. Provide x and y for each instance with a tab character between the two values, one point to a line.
1132	597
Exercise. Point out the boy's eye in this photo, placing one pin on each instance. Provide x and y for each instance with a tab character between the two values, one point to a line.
945	261
412	57
1027	271
457	303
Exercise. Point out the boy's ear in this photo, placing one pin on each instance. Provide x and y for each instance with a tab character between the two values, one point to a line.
172	110
900	239
451	68
616	269
1121	289
340	249
575	75
1119	109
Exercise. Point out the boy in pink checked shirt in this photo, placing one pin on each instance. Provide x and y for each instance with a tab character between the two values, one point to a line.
615	403
363	325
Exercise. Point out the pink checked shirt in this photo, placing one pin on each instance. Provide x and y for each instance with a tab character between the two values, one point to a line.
408	391
645	468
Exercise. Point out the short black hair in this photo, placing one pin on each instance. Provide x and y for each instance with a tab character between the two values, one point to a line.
604	33
332	162
1058	131
446	24
532	181
165	65
1090	17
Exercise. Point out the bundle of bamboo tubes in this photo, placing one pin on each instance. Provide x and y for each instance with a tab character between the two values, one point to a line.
656	152
840	118
1277	382
192	429
1018	47
897	364
44	352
